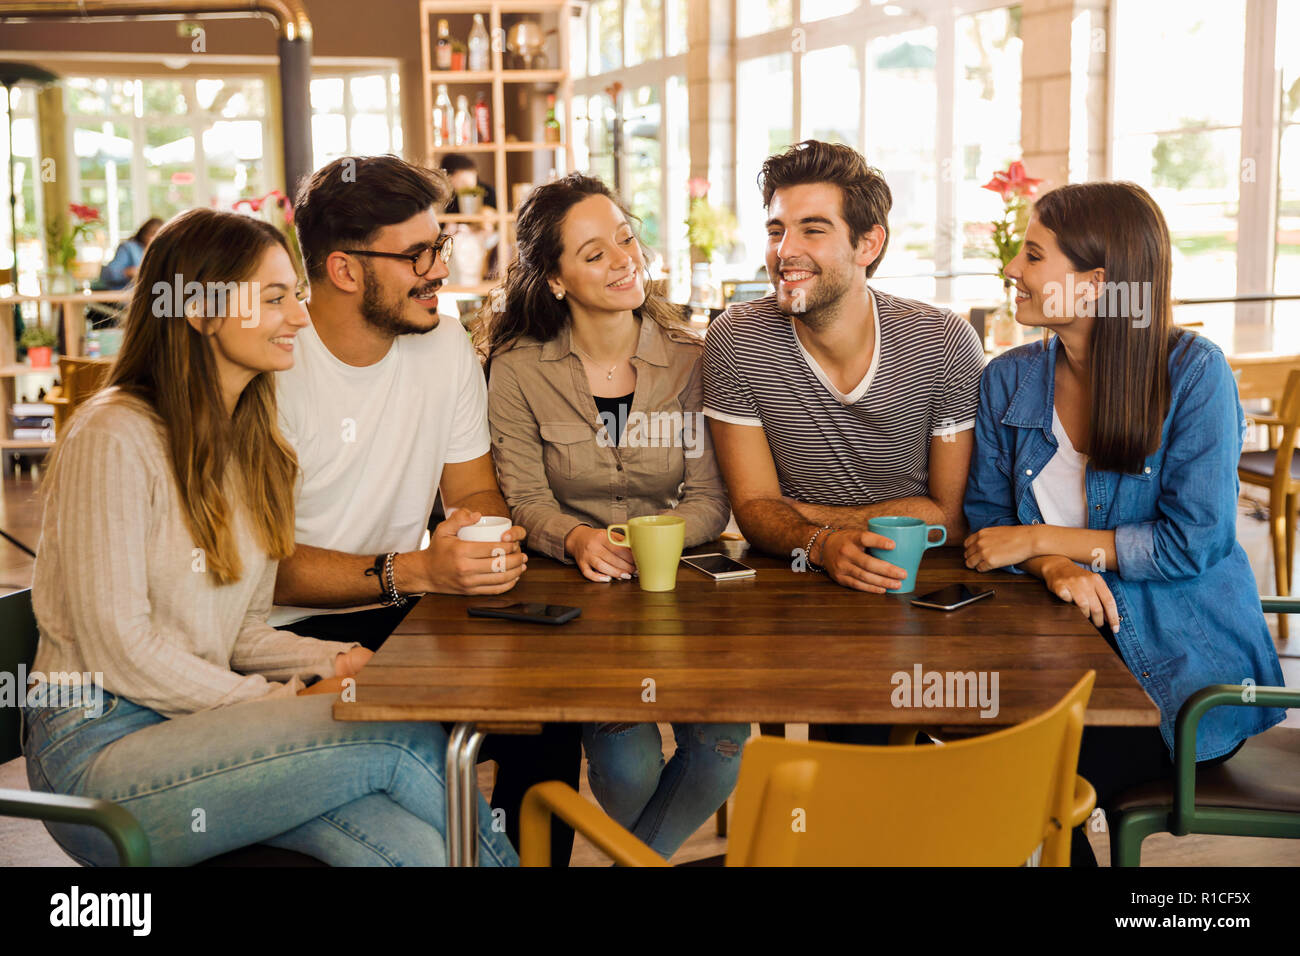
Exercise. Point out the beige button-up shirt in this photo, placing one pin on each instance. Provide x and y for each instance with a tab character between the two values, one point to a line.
559	466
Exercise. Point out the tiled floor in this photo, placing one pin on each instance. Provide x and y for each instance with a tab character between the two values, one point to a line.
23	843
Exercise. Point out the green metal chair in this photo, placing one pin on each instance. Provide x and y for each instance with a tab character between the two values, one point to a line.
18	637
1256	793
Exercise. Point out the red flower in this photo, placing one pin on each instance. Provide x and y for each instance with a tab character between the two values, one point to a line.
698	187
84	213
1013	182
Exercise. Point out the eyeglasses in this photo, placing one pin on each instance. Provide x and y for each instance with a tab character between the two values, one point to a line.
421	262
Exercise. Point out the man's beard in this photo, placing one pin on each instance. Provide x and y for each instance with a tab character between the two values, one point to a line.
387	313
820	307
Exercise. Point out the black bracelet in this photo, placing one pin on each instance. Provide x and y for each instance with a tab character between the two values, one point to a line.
377	569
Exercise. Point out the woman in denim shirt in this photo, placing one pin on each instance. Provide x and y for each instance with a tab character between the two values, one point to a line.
1106	464
581	352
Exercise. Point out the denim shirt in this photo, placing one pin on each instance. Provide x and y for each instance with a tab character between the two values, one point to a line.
1185	592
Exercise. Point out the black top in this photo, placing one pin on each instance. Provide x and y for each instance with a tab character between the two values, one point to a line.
616	408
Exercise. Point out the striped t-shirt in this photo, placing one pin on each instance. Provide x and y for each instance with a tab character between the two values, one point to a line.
870	445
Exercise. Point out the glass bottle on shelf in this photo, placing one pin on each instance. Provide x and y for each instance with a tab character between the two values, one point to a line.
552	124
482	120
478	45
442	53
442	117
464	128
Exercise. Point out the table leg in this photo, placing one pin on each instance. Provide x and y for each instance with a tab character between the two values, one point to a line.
462	794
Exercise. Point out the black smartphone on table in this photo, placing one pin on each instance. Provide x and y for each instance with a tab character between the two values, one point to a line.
952	597
529	613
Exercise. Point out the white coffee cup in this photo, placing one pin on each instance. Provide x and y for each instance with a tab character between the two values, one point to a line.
487	528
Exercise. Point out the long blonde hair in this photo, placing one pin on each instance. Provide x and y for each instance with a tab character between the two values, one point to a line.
168	365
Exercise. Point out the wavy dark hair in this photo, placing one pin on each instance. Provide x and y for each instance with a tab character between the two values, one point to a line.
525	305
1117	226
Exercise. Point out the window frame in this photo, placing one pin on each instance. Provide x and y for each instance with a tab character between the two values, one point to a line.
653	73
865	23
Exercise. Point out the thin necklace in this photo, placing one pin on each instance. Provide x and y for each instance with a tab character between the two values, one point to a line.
610	376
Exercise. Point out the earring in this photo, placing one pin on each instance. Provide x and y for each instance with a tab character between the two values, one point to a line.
560	294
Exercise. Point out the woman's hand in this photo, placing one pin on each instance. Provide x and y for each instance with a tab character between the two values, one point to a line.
1085	589
327	685
597	559
351	661
1000	547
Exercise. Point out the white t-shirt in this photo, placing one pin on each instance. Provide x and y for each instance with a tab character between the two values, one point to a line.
372	441
1059	487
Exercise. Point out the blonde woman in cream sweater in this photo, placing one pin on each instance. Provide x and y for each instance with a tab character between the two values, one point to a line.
168	507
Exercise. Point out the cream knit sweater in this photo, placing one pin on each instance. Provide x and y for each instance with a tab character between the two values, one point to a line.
121	591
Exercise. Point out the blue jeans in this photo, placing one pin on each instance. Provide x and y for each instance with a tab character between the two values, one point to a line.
281	772
662	805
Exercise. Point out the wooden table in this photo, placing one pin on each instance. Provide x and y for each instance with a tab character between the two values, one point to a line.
783	647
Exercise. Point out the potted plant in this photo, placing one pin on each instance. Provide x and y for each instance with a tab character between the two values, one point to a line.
708	229
469	200
39	342
276	209
62	246
1016	189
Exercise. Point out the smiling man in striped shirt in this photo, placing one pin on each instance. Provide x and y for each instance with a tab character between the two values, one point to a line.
830	402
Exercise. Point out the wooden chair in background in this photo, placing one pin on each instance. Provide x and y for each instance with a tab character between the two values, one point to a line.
1278	470
1261	377
80	378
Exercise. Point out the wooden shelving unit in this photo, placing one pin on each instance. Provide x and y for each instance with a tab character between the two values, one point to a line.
522	160
72	316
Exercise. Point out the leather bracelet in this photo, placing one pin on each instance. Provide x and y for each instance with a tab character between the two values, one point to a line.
383	569
812	541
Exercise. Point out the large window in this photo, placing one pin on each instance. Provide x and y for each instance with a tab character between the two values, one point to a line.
1219	151
1286	263
135	145
932	99
30	246
1184	145
354	114
635	136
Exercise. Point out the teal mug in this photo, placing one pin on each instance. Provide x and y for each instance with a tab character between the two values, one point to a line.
911	537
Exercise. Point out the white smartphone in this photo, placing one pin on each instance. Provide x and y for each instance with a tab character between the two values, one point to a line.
951	597
718	566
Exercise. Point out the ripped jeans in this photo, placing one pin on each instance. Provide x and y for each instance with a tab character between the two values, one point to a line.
662	805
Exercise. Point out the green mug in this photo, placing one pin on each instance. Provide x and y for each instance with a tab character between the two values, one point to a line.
656	542
911	537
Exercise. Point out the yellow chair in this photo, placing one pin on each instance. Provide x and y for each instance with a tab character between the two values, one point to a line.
991	800
81	378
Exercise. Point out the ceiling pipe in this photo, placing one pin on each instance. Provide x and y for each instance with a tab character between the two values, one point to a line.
294	46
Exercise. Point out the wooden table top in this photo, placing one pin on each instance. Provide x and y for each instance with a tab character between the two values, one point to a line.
781	647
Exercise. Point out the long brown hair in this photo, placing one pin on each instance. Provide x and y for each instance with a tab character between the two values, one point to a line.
526	306
168	365
1117	227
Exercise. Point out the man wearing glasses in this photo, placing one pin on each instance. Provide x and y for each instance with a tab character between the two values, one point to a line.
386	406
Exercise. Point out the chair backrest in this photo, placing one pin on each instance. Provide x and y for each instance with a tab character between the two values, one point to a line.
1288	411
990	800
18	636
1262	375
82	377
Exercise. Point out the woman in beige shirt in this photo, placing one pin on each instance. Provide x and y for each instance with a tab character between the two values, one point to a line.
166	510
594	403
